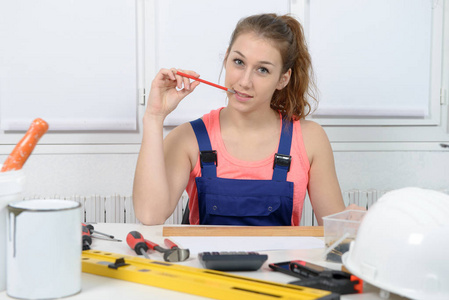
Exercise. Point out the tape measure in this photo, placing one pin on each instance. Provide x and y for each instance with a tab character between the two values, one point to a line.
191	280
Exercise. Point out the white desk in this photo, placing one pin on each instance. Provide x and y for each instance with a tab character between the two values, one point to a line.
99	287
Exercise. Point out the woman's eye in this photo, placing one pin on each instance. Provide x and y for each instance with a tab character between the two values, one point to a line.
263	70
238	62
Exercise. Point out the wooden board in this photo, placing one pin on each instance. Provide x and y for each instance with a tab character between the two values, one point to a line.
189	230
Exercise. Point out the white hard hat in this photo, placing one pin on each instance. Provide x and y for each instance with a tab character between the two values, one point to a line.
402	245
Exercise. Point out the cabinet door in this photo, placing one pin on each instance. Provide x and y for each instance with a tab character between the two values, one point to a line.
72	63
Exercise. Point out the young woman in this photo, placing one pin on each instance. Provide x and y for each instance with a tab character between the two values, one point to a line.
251	162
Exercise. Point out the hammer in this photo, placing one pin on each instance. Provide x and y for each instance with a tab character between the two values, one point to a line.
174	254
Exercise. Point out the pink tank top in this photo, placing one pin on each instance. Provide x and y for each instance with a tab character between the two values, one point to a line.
230	167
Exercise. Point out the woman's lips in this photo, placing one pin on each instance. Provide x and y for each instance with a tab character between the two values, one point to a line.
242	96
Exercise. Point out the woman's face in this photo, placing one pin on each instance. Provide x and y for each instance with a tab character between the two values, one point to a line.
253	70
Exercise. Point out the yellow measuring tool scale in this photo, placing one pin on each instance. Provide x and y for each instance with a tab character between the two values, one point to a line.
196	281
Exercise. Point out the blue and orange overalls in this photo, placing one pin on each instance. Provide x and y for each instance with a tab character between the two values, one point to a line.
224	201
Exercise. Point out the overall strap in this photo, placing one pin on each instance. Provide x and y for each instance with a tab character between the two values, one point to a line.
208	157
282	158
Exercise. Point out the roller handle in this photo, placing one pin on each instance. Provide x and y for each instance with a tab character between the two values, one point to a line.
23	149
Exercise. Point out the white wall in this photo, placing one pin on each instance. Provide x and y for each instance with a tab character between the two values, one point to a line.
79	174
367	155
108	174
392	170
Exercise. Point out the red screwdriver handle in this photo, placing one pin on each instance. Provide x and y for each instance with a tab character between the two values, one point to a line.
85	231
170	244
86	228
86	238
136	242
151	244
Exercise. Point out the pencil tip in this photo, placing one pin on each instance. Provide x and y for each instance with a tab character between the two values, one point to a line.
231	91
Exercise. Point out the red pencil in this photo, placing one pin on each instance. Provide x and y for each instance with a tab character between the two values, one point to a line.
206	82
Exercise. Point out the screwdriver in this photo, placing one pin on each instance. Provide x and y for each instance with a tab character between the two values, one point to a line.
92	231
87	240
136	241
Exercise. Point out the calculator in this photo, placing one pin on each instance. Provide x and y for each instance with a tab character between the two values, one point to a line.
232	261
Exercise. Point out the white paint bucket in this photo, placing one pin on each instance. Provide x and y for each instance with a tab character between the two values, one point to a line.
11	187
43	249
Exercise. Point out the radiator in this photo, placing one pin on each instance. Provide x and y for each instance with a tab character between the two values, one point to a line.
119	209
113	209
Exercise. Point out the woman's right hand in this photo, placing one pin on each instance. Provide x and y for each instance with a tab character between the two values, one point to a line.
167	91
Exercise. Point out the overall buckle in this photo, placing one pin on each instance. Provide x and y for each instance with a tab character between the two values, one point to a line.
208	157
282	160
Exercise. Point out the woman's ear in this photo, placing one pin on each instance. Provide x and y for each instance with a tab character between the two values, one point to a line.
283	81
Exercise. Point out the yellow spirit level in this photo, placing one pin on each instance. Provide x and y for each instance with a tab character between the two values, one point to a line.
196	281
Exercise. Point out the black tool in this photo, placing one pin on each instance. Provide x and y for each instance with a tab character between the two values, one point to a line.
318	277
232	261
174	254
90	227
137	243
